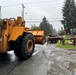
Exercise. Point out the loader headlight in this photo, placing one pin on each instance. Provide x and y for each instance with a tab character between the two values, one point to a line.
0	39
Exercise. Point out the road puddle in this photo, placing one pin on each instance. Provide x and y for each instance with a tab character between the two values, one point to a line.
72	68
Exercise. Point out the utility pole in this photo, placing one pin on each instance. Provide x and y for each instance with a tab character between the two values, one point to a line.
23	12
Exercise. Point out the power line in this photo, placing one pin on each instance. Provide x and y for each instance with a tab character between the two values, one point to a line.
29	3
26	6
46	18
32	3
39	21
40	2
41	5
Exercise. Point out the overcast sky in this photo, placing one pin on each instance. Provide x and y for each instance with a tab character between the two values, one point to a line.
35	9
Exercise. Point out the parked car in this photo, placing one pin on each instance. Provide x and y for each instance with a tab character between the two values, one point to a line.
53	38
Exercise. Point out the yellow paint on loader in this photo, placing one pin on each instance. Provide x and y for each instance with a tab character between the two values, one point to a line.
16	32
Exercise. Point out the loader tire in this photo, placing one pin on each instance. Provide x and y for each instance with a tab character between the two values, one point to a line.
26	46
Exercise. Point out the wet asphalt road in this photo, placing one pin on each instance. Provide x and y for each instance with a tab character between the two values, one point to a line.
46	60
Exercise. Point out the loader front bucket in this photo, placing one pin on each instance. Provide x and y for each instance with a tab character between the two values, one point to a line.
39	36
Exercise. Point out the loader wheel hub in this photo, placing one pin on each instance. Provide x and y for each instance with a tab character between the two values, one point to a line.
29	45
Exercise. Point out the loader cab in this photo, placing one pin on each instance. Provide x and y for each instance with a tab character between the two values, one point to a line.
6	25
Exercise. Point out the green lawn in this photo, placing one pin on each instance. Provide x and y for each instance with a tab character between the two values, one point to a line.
66	46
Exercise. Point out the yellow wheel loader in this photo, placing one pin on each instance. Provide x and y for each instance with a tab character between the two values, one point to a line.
15	36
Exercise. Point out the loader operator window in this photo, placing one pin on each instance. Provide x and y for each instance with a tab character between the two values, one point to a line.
0	25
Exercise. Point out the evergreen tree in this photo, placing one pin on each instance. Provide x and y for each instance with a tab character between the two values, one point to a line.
69	15
34	27
46	26
54	32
